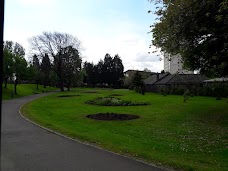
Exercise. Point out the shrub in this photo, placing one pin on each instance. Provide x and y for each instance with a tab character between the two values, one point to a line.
215	90
112	101
218	98
186	95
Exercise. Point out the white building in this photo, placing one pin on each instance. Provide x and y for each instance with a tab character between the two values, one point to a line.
174	64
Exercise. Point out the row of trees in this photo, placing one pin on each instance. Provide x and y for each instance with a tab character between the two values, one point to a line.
56	61
107	72
14	63
63	51
17	69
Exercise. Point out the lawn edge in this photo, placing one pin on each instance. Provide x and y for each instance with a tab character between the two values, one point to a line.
86	143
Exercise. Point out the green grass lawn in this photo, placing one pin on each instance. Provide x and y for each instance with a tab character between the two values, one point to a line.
169	132
23	90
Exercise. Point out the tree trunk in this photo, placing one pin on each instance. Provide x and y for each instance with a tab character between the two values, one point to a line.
68	86
37	85
15	87
61	86
5	82
45	83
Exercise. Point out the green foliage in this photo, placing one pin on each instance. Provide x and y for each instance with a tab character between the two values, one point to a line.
45	69
7	66
113	101
107	72
91	74
34	71
197	30
14	64
64	50
14	48
164	91
138	84
177	90
186	95
215	90
71	65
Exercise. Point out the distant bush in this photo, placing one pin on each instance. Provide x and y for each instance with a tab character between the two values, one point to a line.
113	101
214	90
186	95
177	91
218	98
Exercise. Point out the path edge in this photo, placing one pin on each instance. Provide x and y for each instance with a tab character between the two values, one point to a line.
85	143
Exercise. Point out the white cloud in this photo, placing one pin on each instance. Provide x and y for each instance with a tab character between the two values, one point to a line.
146	57
110	30
131	47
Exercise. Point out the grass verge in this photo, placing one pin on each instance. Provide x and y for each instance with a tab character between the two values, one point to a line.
169	132
23	90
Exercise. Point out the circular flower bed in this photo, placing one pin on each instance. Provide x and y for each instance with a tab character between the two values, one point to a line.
90	92
113	101
112	116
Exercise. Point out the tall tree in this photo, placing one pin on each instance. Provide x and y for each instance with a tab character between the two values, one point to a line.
197	30
107	69
137	83
99	70
19	70
71	64
36	70
91	75
54	45
107	72
12	51
7	66
118	70
14	48
18	50
45	68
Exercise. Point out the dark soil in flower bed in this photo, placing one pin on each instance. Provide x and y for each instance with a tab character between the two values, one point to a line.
112	116
90	92
115	95
68	95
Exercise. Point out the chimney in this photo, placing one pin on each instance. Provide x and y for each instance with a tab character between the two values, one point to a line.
157	75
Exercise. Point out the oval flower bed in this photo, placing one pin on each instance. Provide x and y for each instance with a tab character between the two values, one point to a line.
113	101
112	116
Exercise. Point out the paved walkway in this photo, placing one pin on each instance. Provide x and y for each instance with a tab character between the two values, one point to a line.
27	147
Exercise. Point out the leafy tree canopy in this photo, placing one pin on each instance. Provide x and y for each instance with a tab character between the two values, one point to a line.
197	30
14	63
45	67
108	71
63	50
14	48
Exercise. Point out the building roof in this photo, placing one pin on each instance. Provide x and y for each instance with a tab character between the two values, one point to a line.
166	79
183	79
187	79
153	78
216	80
130	70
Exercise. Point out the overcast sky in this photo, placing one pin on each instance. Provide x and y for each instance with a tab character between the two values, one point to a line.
103	26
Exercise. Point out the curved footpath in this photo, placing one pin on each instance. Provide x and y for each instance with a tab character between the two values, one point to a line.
25	146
